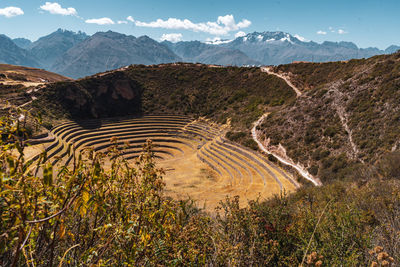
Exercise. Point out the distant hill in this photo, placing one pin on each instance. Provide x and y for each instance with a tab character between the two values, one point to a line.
21	73
16	84
392	49
50	48
110	50
22	42
10	53
196	51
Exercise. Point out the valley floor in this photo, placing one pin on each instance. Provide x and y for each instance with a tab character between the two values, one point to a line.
197	160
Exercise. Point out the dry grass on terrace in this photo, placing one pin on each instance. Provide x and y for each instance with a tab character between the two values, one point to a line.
198	162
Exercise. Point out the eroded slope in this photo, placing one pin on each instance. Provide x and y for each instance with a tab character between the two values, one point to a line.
347	117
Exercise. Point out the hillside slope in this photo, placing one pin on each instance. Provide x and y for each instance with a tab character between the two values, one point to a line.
226	95
10	53
27	74
17	82
346	118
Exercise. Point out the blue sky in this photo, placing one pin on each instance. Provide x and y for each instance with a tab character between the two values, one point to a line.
367	23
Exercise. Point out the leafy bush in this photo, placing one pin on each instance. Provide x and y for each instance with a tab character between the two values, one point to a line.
388	166
85	214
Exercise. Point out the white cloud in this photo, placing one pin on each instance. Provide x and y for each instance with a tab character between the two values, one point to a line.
321	32
130	19
217	41
11	11
301	38
172	37
339	31
101	21
222	26
240	34
56	9
122	22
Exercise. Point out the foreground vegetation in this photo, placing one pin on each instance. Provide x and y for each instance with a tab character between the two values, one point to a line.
89	215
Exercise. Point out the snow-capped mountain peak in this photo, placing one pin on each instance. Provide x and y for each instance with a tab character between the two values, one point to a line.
270	37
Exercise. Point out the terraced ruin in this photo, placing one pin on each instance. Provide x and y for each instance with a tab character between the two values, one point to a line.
198	161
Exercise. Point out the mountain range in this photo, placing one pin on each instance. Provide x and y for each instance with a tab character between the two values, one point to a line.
275	48
111	50
196	51
50	48
10	53
77	54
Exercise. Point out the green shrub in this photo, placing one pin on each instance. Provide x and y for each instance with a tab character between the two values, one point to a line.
235	136
313	169
272	158
249	142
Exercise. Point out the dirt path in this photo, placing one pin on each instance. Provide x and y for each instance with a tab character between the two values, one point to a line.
269	71
343	116
26	103
286	161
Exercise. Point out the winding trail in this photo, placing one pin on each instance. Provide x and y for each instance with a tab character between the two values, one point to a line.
269	71
289	162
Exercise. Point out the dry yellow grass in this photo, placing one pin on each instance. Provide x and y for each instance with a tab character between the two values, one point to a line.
32	76
187	176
